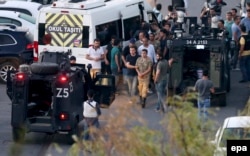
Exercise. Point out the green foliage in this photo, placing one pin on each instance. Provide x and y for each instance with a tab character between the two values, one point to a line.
184	128
246	110
126	133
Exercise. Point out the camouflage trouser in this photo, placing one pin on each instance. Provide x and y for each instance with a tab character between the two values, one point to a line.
143	87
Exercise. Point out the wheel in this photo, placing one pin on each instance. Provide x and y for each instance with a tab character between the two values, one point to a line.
5	67
18	134
44	68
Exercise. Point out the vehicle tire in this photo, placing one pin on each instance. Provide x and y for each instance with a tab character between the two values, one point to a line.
4	67
18	134
44	68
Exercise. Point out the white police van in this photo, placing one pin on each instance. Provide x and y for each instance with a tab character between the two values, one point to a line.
83	21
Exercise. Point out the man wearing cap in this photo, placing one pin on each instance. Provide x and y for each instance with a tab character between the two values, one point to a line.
125	53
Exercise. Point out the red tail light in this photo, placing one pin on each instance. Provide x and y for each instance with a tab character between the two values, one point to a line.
30	46
63	78
35	53
20	76
64	116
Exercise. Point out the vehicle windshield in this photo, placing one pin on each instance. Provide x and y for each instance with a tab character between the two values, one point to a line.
234	134
27	18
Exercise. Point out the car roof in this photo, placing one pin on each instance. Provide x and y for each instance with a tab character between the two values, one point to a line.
9	28
12	27
32	7
18	16
95	8
237	122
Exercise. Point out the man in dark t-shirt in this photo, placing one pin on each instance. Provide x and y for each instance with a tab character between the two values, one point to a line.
204	87
125	53
107	57
161	80
131	70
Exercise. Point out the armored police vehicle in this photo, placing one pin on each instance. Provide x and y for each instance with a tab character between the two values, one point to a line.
47	96
195	52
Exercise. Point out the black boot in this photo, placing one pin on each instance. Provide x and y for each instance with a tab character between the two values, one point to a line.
140	100
143	103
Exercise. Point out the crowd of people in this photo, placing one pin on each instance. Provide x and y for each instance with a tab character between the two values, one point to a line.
138	61
236	26
144	63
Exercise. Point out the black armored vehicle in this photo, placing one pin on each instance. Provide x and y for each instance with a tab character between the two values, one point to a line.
195	52
47	96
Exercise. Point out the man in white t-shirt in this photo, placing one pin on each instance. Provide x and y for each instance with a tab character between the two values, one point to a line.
150	48
214	18
95	54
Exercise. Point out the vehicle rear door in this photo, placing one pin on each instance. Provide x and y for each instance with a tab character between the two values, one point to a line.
65	29
130	18
217	75
216	59
176	75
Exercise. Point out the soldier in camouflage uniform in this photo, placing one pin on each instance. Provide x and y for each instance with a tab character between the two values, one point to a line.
144	65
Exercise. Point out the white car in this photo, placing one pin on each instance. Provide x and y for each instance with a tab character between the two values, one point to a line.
233	128
30	8
44	2
18	19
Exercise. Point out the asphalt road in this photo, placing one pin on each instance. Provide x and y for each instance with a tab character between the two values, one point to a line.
37	144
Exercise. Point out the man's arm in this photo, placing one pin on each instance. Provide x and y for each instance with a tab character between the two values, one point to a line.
204	11
148	70
170	62
235	37
157	73
212	90
88	55
154	54
123	57
242	45
117	61
186	4
243	5
105	57
128	65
